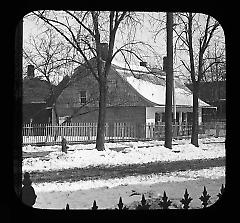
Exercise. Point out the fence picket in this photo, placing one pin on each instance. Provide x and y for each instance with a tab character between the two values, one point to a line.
79	132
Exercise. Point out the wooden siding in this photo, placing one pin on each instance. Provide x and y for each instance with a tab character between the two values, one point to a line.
114	114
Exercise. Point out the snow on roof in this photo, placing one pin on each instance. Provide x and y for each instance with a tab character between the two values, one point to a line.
153	86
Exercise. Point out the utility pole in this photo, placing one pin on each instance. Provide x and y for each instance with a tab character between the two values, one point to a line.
169	82
174	103
174	109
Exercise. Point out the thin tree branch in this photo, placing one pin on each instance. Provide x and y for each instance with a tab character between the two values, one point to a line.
188	69
214	62
81	22
48	21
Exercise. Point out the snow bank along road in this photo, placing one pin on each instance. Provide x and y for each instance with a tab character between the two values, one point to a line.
118	154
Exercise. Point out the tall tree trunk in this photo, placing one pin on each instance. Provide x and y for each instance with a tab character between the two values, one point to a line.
101	115
55	121
195	127
169	83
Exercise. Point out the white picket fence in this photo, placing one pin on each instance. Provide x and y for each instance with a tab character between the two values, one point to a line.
40	134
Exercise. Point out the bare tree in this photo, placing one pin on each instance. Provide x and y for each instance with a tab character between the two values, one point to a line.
195	32
217	64
93	35
51	58
194	35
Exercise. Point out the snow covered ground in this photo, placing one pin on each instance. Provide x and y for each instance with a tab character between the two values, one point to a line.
121	153
80	194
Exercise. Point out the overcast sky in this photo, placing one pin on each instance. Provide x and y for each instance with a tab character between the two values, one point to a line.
144	34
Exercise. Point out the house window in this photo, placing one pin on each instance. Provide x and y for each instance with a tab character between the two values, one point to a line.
83	97
159	117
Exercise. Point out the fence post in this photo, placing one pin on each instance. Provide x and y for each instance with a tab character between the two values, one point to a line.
64	145
137	130
89	131
186	200
217	130
153	129
121	206
115	130
144	205
122	130
205	198
165	203
94	207
67	207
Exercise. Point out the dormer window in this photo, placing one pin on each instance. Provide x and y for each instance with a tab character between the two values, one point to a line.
83	97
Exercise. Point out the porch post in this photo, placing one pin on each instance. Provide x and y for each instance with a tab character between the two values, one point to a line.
185	129
180	117
200	116
160	117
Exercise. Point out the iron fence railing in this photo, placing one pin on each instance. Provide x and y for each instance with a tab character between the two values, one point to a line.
165	202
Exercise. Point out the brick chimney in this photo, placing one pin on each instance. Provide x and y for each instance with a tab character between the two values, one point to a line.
30	71
104	51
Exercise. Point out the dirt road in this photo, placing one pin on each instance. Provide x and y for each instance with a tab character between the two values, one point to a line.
125	170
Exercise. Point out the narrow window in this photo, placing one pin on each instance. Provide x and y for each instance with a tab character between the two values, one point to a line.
83	97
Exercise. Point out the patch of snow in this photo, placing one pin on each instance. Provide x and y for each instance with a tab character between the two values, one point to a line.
82	156
30	148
